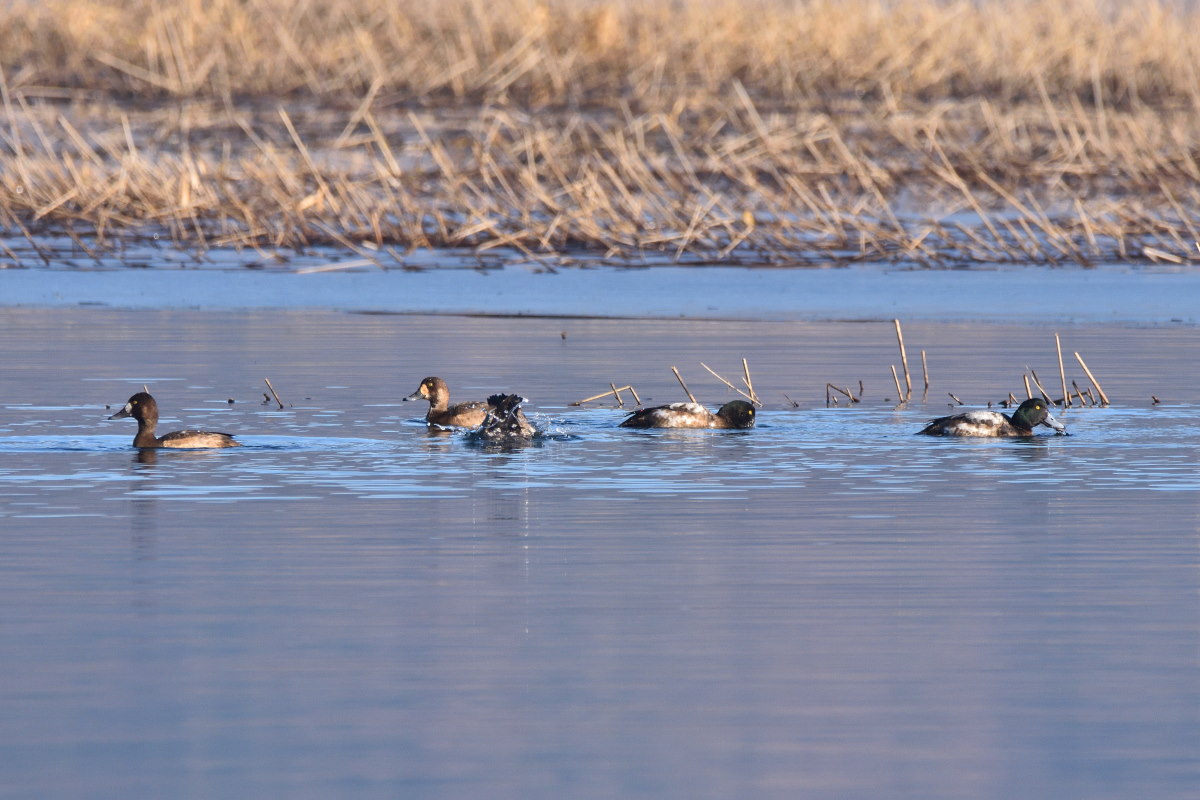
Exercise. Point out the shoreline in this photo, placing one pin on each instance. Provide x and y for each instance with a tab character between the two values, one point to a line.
1123	296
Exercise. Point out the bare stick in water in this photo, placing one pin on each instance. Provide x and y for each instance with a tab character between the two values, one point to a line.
617	394
614	391
903	359
686	391
1092	378
1078	391
925	370
751	398
590	399
1028	390
749	384
899	392
274	393
954	398
1038	383
1062	374
846	391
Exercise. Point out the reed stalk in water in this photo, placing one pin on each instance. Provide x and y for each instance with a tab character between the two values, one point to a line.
903	359
274	393
1092	378
753	399
686	390
1062	374
900	399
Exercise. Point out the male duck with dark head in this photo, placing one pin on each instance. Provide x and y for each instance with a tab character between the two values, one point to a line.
734	414
1028	416
505	422
463	415
143	408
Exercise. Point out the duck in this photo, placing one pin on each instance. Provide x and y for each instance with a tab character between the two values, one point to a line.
504	420
144	409
463	415
1029	415
734	414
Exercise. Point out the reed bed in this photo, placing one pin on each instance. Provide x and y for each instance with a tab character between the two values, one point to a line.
697	131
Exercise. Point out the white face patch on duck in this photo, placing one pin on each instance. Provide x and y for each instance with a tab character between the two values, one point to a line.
124	412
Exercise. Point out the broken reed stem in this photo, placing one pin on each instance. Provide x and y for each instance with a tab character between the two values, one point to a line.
686	390
749	384
274	393
617	394
899	391
1092	378
749	397
1062	374
903	359
1078	391
1028	390
925	370
1038	383
612	392
954	398
849	394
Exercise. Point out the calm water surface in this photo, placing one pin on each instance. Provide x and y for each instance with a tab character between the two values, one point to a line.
825	606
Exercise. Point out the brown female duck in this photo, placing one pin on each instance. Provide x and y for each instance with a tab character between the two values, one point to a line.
144	409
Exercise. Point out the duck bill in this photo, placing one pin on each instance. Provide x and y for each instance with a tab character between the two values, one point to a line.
123	413
1051	422
414	396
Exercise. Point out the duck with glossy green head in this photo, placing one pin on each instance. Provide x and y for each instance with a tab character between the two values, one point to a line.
144	409
734	414
1028	416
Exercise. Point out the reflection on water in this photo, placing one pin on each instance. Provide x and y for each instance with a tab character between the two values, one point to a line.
825	606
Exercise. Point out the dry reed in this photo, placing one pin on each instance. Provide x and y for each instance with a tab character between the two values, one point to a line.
753	398
1092	378
900	399
274	393
927	131
1062	373
614	391
686	390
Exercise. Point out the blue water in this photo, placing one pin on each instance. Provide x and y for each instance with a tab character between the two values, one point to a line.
824	606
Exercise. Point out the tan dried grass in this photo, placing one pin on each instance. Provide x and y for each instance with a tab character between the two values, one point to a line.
703	130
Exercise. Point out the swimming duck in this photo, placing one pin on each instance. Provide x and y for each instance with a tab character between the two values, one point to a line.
504	420
143	408
463	415
1028	415
734	414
